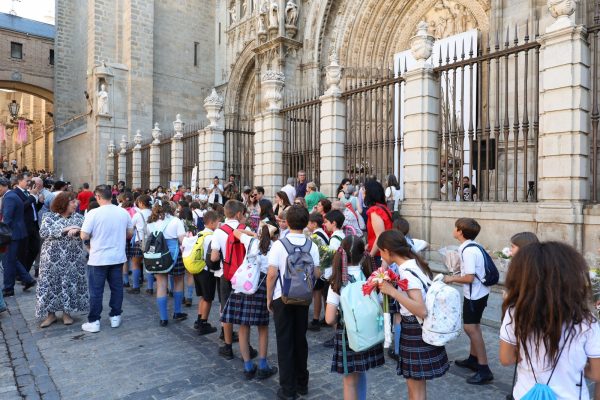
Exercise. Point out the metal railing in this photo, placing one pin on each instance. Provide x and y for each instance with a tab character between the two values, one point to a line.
145	166
115	177
489	119
190	155
239	150
165	162
129	169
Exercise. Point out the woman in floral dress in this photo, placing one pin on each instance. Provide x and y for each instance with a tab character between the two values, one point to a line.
62	284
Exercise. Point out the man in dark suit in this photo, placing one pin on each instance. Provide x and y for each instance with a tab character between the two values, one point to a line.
14	216
30	247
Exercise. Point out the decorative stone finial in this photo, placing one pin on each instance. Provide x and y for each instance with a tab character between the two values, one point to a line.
111	148
213	105
137	139
178	127
123	144
421	45
156	134
273	83
561	10
333	74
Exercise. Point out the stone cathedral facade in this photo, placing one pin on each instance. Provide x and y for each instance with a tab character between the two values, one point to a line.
326	85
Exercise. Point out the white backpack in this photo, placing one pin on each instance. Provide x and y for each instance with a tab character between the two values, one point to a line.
443	322
246	279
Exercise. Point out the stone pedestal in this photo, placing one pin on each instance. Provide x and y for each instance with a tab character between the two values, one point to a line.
212	151
98	149
333	130
177	159
110	169
122	173
154	165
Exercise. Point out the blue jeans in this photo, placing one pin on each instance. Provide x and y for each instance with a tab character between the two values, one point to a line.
13	267
2	303
97	275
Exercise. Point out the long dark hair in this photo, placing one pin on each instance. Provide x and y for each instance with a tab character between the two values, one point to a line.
265	237
395	243
341	186
284	197
548	290
356	255
392	181
374	193
266	210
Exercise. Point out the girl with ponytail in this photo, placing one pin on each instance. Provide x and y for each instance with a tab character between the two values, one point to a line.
352	259
418	361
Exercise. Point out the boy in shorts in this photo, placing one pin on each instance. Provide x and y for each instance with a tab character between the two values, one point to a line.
472	269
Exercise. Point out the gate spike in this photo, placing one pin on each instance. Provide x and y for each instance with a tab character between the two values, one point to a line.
497	44
448	53
462	56
440	59
507	39
527	31
454	58
471	50
516	41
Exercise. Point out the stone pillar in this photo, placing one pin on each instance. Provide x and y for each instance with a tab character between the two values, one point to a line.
268	139
110	163
211	142
122	159
136	161
563	140
177	151
155	158
421	129
333	130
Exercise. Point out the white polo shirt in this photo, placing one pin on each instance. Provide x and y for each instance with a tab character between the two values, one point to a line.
278	257
472	263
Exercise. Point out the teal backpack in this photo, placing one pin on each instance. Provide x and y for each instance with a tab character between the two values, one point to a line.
541	391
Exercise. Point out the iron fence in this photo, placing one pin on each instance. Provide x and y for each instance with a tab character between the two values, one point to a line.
115	177
372	145
489	119
190	156
129	169
239	150
301	139
145	167
165	162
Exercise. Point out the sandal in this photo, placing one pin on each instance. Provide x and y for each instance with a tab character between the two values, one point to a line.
67	320
50	319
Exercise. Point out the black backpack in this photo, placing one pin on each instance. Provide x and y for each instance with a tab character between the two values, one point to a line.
492	276
157	257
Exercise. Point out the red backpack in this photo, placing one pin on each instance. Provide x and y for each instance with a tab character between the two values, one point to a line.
234	252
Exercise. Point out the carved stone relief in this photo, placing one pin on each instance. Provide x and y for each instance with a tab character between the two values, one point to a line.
448	17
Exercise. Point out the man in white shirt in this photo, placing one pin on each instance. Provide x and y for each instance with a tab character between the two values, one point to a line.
472	271
290	190
215	192
291	321
107	227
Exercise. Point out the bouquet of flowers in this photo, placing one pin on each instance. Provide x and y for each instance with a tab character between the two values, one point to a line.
451	258
379	276
504	256
325	253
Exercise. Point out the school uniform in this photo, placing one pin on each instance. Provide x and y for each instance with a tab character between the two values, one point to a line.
171	232
417	360
205	282
355	361
476	293
219	243
250	309
321	283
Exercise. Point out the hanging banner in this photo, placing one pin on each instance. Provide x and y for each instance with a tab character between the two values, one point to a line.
194	182
22	131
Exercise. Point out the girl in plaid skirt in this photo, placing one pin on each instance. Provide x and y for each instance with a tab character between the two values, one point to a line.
418	361
248	310
352	252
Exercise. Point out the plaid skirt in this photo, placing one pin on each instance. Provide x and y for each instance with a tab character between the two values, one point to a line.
134	251
356	361
248	309
178	269
419	360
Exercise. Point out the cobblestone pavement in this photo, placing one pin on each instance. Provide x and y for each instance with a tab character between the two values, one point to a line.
141	360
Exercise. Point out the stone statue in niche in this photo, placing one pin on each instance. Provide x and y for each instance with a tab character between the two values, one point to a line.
102	96
232	13
291	13
449	17
244	8
273	15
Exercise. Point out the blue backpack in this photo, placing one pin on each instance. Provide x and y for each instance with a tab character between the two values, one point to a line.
298	280
492	275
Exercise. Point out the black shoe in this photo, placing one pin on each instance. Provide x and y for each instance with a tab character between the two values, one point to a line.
467	363
302	390
164	322
206	329
150	291
282	396
314	326
126	285
392	354
36	273
134	290
252	373
179	316
266	373
197	324
8	292
253	353
226	352
480	378
29	285
170	293
324	324
329	343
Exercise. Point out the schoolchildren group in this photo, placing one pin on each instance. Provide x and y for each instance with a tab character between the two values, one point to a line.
270	261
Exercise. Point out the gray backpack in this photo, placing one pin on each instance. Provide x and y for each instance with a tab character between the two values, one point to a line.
298	280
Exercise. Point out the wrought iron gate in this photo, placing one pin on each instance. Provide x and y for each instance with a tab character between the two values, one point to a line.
239	153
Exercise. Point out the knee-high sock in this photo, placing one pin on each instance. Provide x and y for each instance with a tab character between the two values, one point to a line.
190	292
135	275
161	302
177	298
125	278
150	281
397	328
362	386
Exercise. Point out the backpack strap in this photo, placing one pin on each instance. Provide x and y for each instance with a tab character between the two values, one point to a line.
476	276
558	358
384	208
323	237
166	223
425	286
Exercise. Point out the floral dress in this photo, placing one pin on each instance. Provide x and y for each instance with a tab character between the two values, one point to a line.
62	283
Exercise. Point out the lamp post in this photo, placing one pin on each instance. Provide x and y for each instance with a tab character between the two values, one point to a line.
13	109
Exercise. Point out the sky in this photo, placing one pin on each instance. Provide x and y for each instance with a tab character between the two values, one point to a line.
38	10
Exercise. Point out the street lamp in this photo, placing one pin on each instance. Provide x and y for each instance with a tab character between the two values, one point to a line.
13	108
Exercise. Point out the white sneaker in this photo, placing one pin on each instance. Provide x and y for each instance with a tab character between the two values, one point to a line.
92	327
115	321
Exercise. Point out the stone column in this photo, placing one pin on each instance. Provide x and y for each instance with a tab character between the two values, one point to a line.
333	129
110	163
122	159
155	158
421	128
563	140
136	161
268	144
211	143
177	151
